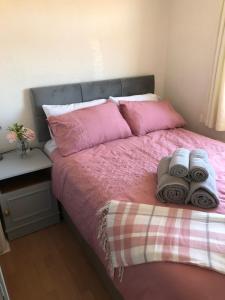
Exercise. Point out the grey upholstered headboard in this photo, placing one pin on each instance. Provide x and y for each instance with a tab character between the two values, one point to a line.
84	91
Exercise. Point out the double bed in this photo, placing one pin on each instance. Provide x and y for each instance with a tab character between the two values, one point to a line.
125	170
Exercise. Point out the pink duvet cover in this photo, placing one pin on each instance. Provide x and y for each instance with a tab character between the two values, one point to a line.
126	170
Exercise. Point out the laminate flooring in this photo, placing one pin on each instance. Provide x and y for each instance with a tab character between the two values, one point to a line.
50	265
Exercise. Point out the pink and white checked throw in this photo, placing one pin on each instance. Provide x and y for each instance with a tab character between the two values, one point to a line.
132	233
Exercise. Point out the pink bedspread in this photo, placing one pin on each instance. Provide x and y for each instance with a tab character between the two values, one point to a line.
126	170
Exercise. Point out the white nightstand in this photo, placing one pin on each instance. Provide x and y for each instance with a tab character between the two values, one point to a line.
27	203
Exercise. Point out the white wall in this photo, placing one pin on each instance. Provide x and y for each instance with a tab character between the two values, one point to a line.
45	42
191	46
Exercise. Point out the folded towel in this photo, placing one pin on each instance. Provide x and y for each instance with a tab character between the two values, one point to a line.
170	189
204	194
199	164
179	164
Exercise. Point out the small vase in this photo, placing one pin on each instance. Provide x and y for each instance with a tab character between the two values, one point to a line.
22	148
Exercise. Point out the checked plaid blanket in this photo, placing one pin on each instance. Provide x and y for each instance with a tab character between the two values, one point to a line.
132	233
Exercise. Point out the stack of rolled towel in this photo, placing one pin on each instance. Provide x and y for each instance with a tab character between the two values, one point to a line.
187	177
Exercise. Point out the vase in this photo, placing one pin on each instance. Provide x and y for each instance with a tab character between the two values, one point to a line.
22	148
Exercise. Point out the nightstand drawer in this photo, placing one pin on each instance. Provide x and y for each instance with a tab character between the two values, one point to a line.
28	209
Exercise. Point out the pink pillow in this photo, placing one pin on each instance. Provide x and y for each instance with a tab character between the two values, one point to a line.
146	116
85	128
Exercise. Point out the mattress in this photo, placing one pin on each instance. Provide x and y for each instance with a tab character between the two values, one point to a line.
126	170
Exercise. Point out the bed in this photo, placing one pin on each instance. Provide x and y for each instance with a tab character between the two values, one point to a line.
126	170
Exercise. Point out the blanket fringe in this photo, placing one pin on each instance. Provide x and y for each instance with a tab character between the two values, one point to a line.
121	271
103	238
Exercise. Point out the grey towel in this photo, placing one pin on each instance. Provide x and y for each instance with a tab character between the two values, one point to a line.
199	165
204	194
170	189
179	164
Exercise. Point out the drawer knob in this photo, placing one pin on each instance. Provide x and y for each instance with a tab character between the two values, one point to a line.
6	212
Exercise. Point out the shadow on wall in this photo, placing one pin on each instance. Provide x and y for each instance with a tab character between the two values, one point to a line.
27	114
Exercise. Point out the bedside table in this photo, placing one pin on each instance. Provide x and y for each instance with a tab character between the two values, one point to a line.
26	201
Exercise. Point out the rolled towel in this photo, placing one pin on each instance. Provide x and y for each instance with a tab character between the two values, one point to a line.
204	194
179	164
199	164
170	189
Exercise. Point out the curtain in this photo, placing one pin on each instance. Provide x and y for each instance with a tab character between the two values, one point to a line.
216	108
4	245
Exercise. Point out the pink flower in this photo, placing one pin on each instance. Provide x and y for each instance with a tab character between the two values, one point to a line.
29	134
11	137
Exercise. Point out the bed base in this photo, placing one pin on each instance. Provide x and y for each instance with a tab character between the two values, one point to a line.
92	258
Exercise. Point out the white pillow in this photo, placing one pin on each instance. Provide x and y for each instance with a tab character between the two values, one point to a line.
144	97
56	110
49	147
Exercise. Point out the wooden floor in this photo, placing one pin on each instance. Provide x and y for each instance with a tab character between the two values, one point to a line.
50	264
